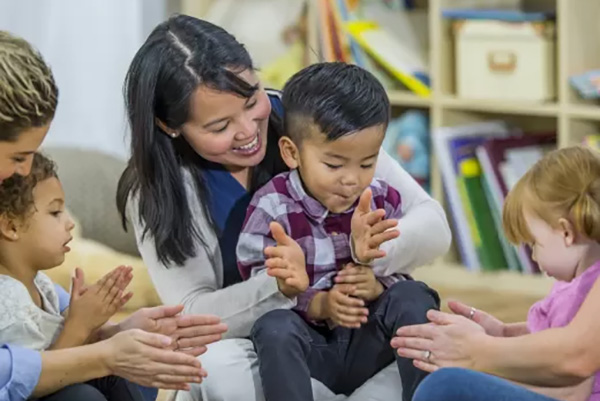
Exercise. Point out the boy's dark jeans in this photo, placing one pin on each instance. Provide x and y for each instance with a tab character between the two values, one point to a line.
291	351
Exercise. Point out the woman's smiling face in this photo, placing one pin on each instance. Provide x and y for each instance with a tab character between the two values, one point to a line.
228	129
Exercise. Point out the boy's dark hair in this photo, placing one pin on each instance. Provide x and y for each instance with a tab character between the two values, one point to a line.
337	98
16	192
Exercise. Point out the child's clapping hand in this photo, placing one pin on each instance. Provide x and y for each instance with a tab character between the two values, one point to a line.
370	230
287	263
343	309
362	279
92	306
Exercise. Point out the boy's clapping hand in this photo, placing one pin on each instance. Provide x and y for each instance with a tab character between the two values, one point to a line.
92	306
370	230
287	263
343	309
363	280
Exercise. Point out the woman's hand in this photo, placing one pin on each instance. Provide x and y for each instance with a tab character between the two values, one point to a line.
287	263
492	326
369	230
189	332
447	341
362	278
145	358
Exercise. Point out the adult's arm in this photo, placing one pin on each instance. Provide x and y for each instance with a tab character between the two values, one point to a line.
67	366
20	370
555	357
5	366
135	355
198	284
424	230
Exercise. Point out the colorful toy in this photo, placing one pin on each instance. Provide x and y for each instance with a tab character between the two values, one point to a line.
593	141
407	141
587	84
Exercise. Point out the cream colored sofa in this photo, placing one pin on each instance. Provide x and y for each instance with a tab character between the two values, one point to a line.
96	260
90	179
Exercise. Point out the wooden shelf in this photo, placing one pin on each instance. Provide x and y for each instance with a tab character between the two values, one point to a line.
504	107
409	99
590	112
576	51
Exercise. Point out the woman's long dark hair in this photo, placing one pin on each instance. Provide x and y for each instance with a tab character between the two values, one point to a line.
180	54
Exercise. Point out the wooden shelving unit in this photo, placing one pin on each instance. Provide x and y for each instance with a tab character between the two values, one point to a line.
577	33
577	51
570	116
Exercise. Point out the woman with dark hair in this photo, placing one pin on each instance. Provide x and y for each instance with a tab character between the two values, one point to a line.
204	137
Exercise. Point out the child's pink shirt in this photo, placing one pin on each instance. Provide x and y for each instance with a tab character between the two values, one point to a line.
561	305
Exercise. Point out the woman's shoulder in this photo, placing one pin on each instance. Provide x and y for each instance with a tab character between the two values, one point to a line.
275	99
273	93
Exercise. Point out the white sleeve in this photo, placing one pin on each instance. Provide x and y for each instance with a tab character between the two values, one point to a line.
424	230
198	284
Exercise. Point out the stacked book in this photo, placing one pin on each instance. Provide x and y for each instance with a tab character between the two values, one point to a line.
345	33
479	164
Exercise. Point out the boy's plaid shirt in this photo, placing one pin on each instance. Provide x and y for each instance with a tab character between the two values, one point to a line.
323	236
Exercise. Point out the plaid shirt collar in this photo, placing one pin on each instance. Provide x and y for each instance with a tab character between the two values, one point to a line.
313	208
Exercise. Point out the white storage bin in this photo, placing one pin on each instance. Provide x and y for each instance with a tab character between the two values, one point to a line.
498	60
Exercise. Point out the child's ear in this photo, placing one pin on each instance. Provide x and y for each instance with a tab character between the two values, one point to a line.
289	152
568	231
8	229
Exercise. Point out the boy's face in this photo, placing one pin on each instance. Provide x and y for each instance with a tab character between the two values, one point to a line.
46	233
336	172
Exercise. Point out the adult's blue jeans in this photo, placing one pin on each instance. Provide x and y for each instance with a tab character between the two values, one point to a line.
457	384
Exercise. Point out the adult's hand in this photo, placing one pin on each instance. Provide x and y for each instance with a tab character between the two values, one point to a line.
190	333
446	341
144	358
492	325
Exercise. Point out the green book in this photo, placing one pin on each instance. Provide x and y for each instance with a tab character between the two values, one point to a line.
510	252
485	235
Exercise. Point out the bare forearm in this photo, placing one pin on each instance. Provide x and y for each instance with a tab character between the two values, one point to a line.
546	358
316	308
563	356
63	367
515	329
72	335
106	331
579	392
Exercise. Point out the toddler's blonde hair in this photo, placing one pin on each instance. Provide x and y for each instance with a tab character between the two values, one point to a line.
563	184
